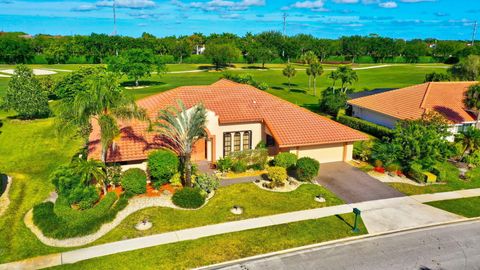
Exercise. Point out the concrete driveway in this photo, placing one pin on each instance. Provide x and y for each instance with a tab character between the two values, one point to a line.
352	185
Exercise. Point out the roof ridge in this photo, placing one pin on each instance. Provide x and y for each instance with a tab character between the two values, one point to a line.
391	91
427	91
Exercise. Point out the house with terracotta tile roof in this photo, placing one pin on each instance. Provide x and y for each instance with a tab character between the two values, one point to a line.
239	117
415	101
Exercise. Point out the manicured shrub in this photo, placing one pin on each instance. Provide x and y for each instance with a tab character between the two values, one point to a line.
239	166
278	176
207	183
175	180
134	181
285	160
332	101
416	172
307	168
365	126
84	196
224	164
393	167
162	165
251	158
188	198
60	221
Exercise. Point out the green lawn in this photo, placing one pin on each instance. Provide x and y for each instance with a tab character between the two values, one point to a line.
211	250
255	201
467	207
28	153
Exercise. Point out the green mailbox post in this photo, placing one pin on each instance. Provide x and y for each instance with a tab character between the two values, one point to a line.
357	212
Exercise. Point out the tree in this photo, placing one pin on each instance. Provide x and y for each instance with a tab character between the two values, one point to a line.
89	170
472	100
102	102
25	95
437	77
136	63
353	46
315	70
331	102
289	71
262	54
221	54
467	70
309	58
182	128
470	140
75	82
346	75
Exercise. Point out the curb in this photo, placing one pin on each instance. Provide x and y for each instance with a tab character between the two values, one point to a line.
338	242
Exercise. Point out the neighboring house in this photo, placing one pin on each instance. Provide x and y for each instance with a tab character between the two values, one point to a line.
239	117
414	101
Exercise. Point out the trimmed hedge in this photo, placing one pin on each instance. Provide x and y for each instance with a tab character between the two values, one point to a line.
307	168
188	198
134	181
285	160
162	165
365	126
278	176
60	221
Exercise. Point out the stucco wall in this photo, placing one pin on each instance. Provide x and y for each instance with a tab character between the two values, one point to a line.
374	117
325	153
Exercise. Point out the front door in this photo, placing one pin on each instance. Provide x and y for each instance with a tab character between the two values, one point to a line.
199	151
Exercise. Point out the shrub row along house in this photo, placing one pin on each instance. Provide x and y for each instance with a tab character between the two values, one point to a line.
239	117
414	102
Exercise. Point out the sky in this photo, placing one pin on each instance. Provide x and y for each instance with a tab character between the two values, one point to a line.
408	19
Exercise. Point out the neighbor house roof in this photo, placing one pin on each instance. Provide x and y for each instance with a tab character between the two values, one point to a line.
414	101
233	103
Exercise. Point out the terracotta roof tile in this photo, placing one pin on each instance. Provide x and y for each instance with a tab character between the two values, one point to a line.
290	124
413	101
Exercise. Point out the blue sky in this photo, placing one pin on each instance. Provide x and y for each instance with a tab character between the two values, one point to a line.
443	19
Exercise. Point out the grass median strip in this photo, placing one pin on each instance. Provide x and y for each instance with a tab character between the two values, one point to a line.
211	250
467	207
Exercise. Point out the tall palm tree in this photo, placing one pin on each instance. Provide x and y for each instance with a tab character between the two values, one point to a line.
182	128
472	100
289	71
316	70
104	102
347	76
470	140
89	170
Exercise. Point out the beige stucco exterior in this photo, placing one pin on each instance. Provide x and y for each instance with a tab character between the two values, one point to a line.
374	117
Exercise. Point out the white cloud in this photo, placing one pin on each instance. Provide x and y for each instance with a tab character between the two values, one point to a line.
416	1
346	1
132	4
317	5
215	5
390	4
85	7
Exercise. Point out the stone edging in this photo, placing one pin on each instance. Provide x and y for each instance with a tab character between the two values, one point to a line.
134	205
4	198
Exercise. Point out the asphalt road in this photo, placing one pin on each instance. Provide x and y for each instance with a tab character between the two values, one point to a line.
450	247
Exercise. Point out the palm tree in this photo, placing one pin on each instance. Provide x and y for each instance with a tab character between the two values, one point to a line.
309	74
182	128
316	70
347	77
104	102
334	75
89	170
470	140
472	100
309	58
289	71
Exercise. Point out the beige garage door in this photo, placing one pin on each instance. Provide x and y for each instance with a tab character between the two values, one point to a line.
322	153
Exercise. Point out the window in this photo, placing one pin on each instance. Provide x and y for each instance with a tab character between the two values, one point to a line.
236	141
464	127
227	143
270	141
247	140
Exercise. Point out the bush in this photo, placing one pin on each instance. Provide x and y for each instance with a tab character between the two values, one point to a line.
473	158
332	101
278	176
239	166
224	164
207	183
188	198
84	196
285	160
162	165
416	172
307	169
257	158
134	181
446	171
362	150
176	180
365	126
60	221
366	168
246	79
393	167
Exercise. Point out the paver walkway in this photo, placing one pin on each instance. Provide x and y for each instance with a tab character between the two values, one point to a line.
353	185
381	209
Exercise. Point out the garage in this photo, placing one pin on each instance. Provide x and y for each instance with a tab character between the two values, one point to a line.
326	153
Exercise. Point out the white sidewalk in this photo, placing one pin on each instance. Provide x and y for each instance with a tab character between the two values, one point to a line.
379	216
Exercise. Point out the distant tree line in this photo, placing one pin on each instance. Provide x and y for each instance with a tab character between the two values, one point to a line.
266	47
